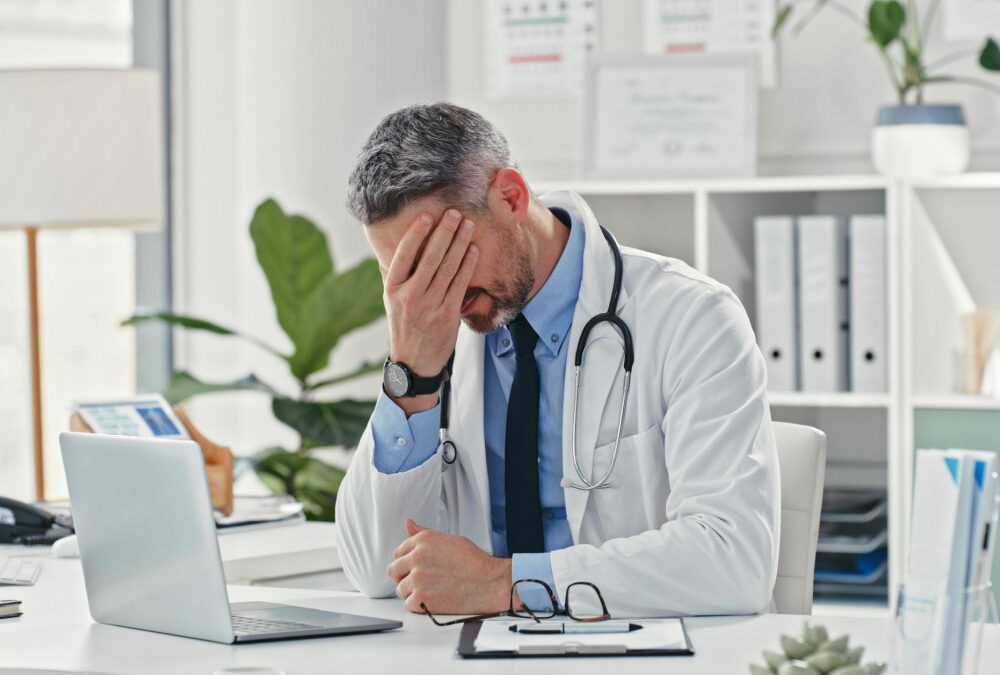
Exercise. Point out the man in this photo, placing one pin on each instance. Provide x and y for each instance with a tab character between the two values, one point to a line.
476	265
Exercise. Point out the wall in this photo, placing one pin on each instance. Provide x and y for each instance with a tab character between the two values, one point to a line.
274	99
817	120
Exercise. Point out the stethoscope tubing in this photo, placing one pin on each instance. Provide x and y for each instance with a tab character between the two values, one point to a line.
449	452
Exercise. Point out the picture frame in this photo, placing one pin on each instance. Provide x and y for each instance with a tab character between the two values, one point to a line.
691	115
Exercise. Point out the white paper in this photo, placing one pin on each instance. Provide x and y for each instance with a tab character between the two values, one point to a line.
712	26
538	48
653	117
496	636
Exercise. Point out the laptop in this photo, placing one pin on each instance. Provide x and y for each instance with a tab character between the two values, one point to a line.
150	552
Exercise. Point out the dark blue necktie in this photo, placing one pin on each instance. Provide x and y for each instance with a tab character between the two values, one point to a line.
524	507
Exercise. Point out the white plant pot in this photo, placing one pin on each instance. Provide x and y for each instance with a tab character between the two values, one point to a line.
913	141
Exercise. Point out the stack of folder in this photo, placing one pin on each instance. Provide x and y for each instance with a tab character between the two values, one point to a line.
821	292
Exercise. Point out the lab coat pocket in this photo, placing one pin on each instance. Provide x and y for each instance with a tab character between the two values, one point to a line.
629	506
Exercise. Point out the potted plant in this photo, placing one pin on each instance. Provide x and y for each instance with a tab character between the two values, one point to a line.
316	306
911	138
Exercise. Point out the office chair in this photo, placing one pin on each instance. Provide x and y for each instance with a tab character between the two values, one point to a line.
802	466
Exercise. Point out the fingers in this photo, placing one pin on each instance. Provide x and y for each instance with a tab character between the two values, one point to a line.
406	253
412	528
437	245
460	284
404	588
399	568
452	260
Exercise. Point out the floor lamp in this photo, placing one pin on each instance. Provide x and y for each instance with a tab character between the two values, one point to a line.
78	148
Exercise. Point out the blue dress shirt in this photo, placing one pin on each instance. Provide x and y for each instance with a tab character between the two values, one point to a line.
402	444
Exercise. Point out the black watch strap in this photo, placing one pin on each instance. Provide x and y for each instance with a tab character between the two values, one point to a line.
425	385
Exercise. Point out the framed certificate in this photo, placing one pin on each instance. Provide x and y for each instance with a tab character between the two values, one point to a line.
671	116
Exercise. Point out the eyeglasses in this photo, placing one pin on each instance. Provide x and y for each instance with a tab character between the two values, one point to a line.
580	604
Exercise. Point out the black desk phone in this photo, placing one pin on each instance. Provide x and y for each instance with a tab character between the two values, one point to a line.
22	523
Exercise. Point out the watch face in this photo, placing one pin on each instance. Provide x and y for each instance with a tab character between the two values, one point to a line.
396	379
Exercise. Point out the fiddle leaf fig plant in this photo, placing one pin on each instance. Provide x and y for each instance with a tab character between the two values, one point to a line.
316	306
898	33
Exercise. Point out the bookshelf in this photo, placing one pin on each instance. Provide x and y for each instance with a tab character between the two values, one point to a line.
943	244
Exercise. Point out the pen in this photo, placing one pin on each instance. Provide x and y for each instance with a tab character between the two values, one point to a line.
575	627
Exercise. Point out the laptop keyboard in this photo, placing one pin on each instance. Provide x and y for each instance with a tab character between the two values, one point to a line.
248	625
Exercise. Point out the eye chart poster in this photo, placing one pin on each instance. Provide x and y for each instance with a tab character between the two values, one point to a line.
713	27
538	48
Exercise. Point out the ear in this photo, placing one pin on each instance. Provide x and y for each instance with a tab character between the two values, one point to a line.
509	195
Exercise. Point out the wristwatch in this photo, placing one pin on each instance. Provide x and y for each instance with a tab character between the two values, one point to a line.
401	382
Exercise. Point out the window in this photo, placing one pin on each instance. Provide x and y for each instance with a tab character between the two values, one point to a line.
86	277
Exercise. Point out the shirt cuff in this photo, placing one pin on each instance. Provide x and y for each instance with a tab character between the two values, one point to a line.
533	566
402	444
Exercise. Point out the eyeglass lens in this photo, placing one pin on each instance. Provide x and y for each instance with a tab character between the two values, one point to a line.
584	603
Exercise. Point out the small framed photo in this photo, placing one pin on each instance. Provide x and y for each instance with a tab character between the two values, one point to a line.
690	115
146	415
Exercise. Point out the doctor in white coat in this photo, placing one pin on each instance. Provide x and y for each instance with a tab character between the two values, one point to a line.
689	521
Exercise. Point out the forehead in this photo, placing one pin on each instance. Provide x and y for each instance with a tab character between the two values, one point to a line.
384	235
391	229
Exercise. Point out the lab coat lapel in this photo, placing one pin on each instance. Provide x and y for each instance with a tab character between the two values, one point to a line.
602	359
467	410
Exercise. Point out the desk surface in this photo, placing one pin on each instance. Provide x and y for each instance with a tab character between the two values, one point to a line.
56	632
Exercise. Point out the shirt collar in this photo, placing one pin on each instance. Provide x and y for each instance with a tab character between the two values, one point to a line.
550	311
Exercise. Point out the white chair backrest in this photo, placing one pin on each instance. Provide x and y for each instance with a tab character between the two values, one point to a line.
802	465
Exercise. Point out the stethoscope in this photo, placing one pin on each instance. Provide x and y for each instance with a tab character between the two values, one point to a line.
447	448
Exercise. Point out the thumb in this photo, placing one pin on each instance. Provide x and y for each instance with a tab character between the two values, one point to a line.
412	528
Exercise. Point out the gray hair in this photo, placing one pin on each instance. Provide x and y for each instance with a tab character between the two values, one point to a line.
439	149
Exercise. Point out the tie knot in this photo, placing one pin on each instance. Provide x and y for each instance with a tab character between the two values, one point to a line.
524	336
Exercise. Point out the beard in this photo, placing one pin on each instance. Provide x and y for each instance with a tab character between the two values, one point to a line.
507	296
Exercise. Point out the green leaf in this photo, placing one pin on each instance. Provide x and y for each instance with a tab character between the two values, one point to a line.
294	256
989	58
276	468
311	481
340	304
780	20
885	21
177	320
318	476
325	423
365	369
183	386
194	323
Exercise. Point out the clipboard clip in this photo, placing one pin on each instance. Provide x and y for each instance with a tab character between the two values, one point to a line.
571	648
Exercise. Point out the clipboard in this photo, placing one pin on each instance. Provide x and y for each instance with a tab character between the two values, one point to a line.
470	631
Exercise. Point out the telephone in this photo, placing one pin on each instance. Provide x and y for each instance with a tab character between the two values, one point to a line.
22	523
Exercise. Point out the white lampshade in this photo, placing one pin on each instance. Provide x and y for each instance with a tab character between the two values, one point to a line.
80	148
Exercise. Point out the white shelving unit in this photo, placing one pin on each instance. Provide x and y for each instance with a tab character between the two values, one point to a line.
943	248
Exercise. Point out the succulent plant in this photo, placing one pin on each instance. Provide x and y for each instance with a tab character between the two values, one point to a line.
814	653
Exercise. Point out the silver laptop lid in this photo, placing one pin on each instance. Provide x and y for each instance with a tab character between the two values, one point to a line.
147	539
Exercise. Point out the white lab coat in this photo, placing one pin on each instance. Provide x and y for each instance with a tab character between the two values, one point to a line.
692	526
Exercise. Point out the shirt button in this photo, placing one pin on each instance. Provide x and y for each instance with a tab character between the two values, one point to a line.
506	342
400	441
555	338
549	515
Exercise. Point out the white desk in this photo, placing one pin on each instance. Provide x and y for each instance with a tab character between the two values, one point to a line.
56	632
